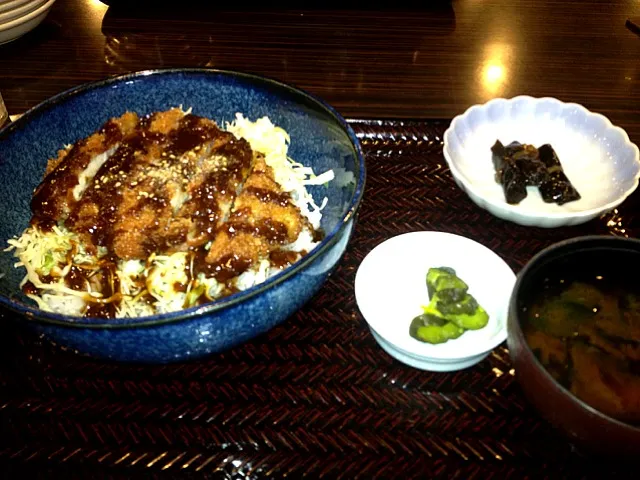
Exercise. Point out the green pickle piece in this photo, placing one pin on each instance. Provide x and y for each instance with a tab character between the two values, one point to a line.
451	309
428	319
432	277
452	330
433	329
446	306
477	320
438	334
425	320
451	287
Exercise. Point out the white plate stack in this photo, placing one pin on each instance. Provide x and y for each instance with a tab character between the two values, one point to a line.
17	17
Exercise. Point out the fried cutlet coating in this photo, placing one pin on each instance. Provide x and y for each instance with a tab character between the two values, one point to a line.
53	199
173	182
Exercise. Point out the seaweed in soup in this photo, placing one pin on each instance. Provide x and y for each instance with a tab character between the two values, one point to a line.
587	335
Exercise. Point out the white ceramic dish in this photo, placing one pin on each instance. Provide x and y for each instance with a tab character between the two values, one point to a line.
6	5
390	288
20	11
16	28
597	157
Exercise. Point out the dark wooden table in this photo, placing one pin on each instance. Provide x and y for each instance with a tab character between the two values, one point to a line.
316	397
431	61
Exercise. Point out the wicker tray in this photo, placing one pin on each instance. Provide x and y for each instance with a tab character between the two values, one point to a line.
316	397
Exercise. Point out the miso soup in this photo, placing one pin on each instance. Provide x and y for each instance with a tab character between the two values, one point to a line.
584	327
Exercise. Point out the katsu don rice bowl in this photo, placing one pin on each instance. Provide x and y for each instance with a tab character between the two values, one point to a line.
170	214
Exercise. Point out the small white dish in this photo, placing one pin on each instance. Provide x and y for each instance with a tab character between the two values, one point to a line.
16	28
20	11
6	5
390	289
597	157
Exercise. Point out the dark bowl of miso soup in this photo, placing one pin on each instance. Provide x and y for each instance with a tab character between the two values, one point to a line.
574	339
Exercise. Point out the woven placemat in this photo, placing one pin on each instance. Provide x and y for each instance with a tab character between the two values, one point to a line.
315	397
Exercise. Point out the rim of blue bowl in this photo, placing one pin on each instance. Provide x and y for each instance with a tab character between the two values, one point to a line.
35	314
531	267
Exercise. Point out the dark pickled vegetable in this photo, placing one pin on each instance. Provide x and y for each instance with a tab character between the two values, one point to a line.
499	152
520	158
519	165
556	188
534	171
514	185
451	310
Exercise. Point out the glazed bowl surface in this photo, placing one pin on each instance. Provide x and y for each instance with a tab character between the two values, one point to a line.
320	138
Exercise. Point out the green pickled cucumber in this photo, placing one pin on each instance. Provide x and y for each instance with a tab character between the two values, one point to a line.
432	329
448	306
432	277
475	321
451	309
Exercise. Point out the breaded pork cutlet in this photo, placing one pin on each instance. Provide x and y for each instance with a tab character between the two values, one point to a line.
181	191
264	218
168	186
64	183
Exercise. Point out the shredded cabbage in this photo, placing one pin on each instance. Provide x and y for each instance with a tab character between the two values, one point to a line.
273	142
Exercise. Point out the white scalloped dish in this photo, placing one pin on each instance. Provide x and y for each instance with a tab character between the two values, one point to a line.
597	157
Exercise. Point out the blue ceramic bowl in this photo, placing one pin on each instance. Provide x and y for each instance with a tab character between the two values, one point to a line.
320	138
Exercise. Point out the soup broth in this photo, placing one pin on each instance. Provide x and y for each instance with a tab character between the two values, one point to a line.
585	330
